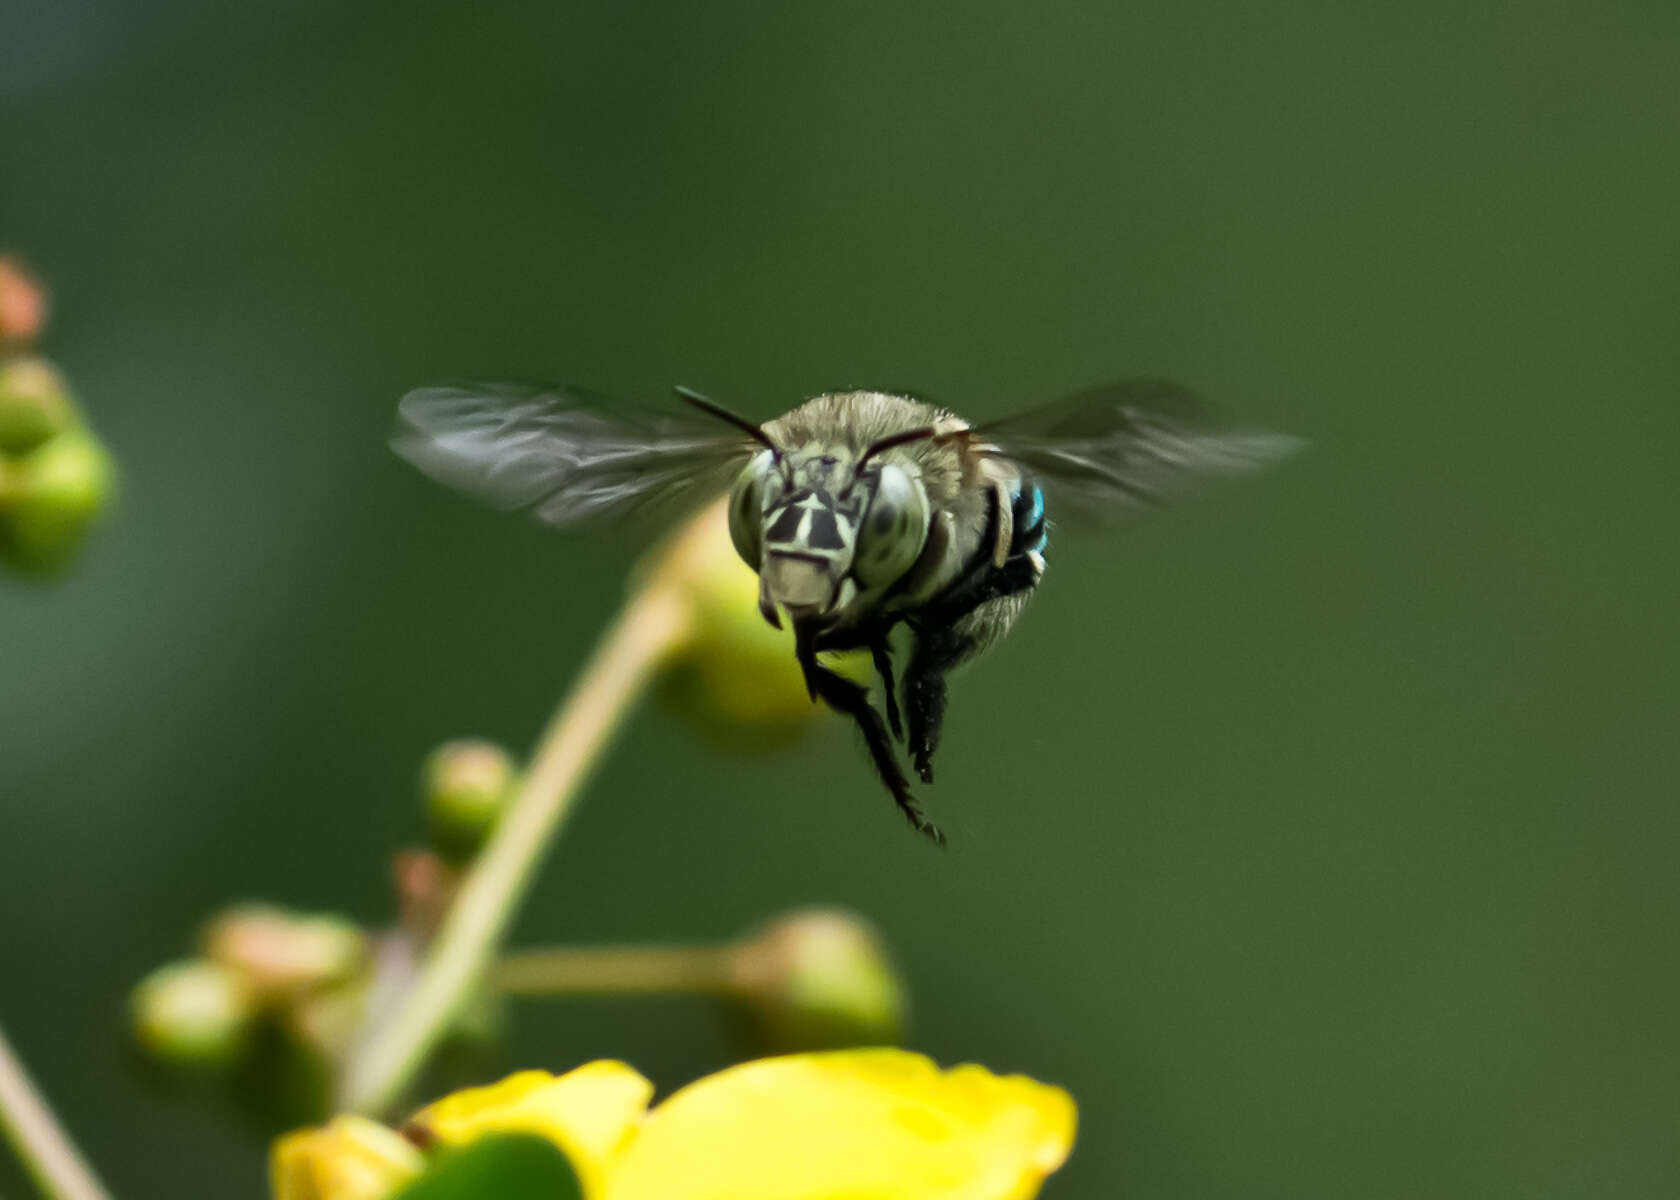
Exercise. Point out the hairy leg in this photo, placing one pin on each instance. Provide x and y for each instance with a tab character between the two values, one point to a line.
950	633
882	654
844	696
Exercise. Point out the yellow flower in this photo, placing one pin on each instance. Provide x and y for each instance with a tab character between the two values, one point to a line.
881	1124
588	1113
349	1158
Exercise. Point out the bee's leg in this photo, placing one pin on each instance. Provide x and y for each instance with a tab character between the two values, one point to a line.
947	635
844	696
882	655
937	651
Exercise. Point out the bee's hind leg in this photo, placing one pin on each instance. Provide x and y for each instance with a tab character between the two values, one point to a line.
844	696
950	634
937	652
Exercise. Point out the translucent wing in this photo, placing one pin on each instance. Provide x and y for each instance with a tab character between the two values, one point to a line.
563	455
1123	445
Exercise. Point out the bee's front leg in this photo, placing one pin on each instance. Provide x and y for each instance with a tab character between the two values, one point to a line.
882	654
844	696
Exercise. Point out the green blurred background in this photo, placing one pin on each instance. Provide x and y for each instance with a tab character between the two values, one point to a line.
1319	835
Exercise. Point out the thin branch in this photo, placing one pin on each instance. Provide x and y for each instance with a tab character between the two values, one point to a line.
652	624
45	1149
617	971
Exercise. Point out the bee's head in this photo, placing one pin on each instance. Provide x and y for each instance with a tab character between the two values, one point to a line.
823	525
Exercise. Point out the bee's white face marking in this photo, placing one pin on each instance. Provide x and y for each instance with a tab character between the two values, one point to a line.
801	518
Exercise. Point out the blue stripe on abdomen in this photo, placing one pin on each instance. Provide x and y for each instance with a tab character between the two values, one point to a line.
1031	532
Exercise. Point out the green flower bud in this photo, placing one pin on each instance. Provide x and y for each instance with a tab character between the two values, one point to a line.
735	675
280	954
326	1022
818	980
50	497
194	1014
34	404
465	785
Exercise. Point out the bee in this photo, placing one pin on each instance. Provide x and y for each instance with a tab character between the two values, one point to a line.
860	511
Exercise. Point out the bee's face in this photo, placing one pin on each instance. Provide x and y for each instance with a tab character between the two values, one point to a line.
820	532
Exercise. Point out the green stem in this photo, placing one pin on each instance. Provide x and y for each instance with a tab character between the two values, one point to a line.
652	625
45	1150
617	971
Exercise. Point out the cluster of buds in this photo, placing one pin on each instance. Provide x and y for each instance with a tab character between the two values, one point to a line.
257	964
55	476
267	978
263	969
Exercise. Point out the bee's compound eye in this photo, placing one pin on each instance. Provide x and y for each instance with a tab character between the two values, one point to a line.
746	508
893	531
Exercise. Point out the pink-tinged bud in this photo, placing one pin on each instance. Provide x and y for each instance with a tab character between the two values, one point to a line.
281	954
23	304
425	887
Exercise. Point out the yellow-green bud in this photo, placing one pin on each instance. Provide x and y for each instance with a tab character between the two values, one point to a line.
349	1158
280	954
34	404
465	785
735	675
817	980
193	1014
50	496
326	1022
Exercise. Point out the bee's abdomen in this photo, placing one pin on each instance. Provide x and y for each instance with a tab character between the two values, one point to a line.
1031	534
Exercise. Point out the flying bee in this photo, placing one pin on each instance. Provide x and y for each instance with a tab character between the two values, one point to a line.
860	511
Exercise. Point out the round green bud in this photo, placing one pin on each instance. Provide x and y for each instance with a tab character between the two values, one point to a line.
465	786
195	1014
819	979
280	954
34	404
49	498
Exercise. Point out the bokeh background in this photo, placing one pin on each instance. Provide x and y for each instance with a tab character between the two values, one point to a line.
1319	835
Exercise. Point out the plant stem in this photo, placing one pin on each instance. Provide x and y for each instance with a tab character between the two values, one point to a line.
652	624
45	1150
617	971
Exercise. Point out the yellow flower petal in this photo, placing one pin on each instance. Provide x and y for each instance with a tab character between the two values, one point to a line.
588	1112
349	1158
881	1124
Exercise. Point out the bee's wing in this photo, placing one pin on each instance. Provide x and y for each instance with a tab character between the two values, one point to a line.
560	454
1129	444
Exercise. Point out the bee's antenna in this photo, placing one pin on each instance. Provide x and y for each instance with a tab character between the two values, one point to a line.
897	439
723	414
